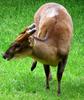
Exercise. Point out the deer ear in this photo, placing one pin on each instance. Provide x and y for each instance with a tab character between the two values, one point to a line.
28	33
31	31
19	37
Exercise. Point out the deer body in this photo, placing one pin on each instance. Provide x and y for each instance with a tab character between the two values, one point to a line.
54	30
50	42
45	54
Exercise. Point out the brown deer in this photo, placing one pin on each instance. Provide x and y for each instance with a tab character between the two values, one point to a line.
47	40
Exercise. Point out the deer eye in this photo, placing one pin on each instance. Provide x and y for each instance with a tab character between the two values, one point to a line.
17	45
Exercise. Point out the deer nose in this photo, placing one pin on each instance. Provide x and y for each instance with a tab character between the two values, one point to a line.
4	56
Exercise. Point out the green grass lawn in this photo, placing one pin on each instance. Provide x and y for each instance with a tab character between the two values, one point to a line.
17	82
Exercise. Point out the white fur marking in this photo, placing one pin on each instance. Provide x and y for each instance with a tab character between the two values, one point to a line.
51	13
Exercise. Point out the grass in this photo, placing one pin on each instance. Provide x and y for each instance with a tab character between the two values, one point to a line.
17	82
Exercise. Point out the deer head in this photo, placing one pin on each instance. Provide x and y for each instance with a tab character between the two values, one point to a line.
21	43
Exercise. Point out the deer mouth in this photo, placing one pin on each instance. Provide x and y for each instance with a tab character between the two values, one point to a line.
7	56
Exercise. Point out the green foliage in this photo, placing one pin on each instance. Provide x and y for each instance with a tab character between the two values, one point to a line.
17	82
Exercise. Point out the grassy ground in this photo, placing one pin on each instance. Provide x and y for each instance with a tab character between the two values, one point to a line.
17	82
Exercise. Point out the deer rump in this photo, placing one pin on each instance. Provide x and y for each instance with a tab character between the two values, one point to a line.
54	28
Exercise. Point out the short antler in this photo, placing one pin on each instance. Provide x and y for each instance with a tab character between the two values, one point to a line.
32	26
30	32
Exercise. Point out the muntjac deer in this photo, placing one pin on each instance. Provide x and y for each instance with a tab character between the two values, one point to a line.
47	40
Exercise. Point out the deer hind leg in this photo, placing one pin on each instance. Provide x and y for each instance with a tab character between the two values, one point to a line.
33	65
48	75
60	71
